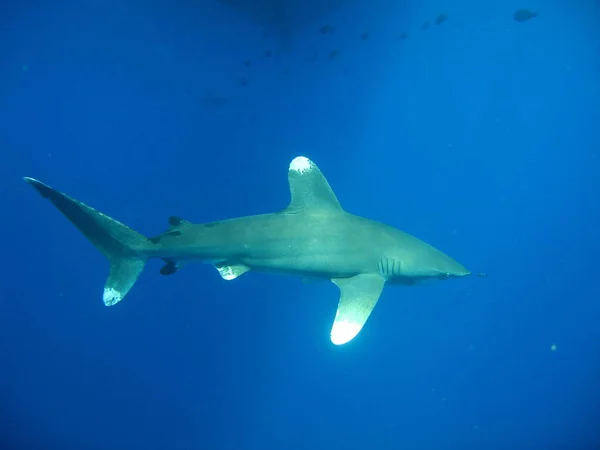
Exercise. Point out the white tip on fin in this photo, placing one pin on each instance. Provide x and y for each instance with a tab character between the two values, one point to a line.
231	272
358	297
344	331
111	296
309	189
301	164
124	272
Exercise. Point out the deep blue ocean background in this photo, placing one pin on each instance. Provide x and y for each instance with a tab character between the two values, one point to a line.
479	135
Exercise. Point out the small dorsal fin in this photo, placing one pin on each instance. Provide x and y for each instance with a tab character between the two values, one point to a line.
309	189
175	226
175	221
171	232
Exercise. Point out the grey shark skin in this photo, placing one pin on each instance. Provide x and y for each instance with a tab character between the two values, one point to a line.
312	237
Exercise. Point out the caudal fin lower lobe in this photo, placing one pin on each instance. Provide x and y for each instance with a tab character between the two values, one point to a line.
119	243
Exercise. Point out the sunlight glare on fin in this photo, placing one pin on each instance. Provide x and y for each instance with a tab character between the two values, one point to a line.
358	297
301	164
344	331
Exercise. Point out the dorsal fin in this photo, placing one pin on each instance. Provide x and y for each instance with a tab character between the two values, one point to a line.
175	221
309	188
175	226
172	232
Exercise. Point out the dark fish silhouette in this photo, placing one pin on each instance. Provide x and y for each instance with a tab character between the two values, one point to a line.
523	15
441	19
243	81
403	35
326	29
425	25
332	55
268	53
248	63
364	36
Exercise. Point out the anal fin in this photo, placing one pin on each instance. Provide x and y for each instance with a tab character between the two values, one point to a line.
170	267
231	271
358	297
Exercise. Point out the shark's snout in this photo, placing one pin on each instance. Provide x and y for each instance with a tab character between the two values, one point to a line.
457	270
462	271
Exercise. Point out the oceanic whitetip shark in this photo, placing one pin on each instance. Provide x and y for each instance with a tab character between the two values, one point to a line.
312	237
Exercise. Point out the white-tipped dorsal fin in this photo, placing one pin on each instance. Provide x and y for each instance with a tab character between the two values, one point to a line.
309	189
358	297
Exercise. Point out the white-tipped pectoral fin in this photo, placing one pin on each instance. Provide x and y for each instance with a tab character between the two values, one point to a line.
358	297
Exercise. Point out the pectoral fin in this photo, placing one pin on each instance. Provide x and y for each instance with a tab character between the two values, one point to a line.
358	297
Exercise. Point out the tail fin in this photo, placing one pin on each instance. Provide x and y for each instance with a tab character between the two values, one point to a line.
119	243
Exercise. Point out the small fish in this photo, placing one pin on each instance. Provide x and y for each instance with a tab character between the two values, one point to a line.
248	63
243	81
268	53
332	55
523	15
364	36
326	29
482	275
403	35
425	25
441	19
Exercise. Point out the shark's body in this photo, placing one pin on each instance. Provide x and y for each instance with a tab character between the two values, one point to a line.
312	237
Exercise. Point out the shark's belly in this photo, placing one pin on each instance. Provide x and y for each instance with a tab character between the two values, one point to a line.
311	257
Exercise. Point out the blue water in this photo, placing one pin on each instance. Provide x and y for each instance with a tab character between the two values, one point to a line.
479	135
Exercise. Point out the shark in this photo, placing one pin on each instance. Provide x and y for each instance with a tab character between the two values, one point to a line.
313	237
